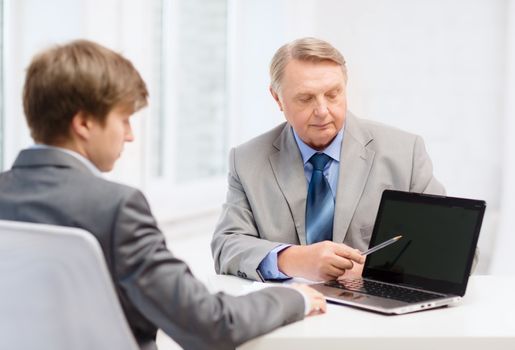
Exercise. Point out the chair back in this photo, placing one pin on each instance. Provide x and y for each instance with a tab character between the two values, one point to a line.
56	292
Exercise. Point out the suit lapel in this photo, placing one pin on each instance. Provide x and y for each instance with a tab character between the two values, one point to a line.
289	173
355	164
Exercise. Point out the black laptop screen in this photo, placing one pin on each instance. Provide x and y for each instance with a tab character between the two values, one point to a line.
439	237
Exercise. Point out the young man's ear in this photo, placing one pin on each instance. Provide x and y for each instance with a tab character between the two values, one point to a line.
81	125
276	98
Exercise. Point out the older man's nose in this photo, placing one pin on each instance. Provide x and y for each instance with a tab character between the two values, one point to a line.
321	109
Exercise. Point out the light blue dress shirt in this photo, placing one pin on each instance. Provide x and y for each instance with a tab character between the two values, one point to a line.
268	267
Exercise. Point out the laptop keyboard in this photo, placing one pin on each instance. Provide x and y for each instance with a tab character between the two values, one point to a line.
383	290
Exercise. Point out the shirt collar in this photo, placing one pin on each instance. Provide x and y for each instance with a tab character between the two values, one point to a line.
333	150
74	154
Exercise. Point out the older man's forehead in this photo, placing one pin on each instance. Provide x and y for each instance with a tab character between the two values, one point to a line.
313	82
312	70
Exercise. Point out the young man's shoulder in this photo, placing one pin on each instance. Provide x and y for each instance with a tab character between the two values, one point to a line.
111	190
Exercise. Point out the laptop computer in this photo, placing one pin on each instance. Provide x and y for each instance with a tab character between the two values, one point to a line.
427	268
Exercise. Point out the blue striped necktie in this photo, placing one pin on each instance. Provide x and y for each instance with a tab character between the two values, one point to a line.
320	203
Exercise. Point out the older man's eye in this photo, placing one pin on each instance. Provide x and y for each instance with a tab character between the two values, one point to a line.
305	98
332	94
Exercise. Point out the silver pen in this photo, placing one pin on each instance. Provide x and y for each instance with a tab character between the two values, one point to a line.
382	245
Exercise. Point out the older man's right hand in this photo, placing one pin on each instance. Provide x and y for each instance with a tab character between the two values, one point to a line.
320	261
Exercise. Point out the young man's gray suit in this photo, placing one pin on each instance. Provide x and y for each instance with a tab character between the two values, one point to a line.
156	289
266	198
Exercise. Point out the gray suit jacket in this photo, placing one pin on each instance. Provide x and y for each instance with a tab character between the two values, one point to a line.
266	199
156	289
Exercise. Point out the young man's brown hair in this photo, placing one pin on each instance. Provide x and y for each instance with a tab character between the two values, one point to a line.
81	76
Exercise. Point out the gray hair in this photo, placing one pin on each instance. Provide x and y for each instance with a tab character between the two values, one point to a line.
304	49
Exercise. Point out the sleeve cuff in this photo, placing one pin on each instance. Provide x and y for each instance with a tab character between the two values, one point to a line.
268	268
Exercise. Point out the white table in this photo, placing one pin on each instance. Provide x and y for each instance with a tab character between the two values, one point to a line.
484	319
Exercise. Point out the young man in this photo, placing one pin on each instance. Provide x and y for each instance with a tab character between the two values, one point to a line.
78	100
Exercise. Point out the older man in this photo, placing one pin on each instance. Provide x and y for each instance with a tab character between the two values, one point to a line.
302	198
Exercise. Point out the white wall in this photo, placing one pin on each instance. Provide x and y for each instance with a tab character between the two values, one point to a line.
502	261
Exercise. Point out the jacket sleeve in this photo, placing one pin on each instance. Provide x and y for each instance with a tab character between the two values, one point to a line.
162	289
237	246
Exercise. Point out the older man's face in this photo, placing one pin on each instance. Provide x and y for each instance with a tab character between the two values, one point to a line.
312	97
